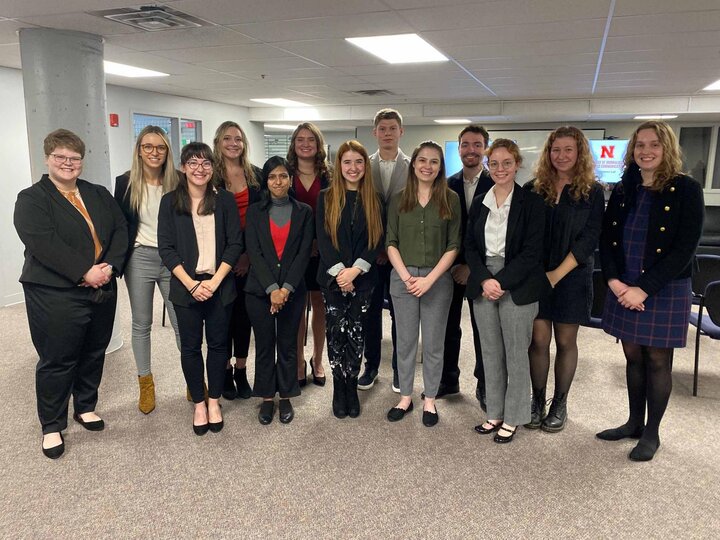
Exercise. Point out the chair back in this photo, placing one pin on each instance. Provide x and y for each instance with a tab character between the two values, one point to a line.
712	301
706	270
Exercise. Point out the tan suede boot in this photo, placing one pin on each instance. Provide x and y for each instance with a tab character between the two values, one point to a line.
146	404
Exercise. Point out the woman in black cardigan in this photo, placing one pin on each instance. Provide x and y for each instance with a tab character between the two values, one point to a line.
651	229
279	237
349	229
503	247
200	241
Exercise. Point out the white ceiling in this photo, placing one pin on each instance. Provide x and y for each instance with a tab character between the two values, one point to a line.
511	60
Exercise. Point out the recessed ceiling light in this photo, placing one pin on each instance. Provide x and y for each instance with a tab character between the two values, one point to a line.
713	86
280	102
399	49
453	121
285	127
656	117
123	70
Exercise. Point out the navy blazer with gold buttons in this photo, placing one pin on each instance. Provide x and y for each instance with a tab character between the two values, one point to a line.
674	229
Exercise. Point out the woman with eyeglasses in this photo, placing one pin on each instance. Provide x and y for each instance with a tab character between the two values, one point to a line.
200	241
278	236
504	249
235	173
138	192
75	239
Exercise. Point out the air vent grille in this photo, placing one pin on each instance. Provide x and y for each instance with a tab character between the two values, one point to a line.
373	93
151	18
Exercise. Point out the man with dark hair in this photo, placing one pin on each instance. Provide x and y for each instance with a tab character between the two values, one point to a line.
389	171
470	183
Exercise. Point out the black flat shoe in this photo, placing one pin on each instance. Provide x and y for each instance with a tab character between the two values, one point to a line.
244	390
429	419
267	409
644	451
202	429
54	452
504	439
620	433
396	413
286	413
317	380
95	425
482	430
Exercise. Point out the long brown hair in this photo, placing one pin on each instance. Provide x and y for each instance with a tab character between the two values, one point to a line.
137	187
321	163
671	164
220	174
335	197
440	192
582	176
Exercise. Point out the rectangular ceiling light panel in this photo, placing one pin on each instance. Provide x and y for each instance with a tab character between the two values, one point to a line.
399	48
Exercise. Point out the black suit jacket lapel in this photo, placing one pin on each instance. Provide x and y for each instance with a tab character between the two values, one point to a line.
480	224
266	239
66	205
294	230
513	217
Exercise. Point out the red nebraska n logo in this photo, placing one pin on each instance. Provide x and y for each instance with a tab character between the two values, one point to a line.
607	152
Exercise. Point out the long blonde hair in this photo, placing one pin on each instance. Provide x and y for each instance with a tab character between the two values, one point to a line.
137	187
440	192
671	164
583	174
335	197
220	174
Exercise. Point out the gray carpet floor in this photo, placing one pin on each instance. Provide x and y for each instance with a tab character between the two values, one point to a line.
320	477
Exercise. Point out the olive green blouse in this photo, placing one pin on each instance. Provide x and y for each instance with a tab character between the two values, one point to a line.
420	235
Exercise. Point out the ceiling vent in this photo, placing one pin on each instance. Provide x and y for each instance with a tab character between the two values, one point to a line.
373	93
151	18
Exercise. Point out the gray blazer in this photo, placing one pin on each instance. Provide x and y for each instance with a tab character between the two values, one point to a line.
398	179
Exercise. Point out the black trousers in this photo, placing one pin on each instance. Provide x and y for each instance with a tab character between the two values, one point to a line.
345	319
453	336
215	317
239	335
70	332
374	327
276	333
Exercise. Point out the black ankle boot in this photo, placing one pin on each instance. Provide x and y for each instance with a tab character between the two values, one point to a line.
557	415
243	386
339	403
537	409
229	391
351	392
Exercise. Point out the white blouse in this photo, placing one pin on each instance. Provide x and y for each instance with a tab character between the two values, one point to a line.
496	224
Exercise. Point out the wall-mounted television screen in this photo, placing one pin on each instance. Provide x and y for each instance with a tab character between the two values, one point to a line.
608	156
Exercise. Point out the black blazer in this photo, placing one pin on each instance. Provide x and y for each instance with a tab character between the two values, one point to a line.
177	244
59	247
572	226
456	183
674	229
265	268
523	274
353	241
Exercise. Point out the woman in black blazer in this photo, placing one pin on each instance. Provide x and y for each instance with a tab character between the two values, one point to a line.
279	237
651	229
138	192
504	249
75	240
235	173
349	230
200	241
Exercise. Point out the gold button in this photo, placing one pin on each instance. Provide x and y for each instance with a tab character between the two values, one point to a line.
672	188
614	243
622	205
658	250
642	271
614	223
662	229
667	208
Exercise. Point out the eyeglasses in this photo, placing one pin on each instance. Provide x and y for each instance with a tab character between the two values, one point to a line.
495	165
159	148
59	159
194	164
281	176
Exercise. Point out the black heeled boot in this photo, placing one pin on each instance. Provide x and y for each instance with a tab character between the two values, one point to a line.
353	402
339	403
537	409
243	386
557	415
229	391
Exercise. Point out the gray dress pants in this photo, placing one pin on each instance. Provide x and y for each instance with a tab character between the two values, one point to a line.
505	335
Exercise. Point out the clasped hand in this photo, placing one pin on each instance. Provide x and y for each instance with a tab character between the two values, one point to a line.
278	298
97	276
417	286
492	289
204	291
345	278
628	297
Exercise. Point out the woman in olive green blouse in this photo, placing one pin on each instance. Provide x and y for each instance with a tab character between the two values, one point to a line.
423	237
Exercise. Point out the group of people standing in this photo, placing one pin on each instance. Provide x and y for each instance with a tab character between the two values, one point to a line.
235	249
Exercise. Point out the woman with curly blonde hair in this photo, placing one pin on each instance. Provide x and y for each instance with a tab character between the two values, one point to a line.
574	204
